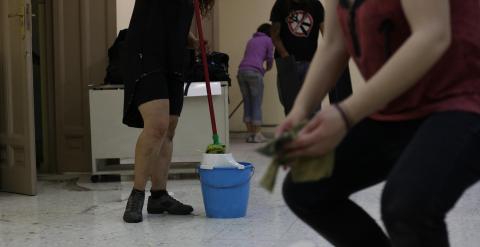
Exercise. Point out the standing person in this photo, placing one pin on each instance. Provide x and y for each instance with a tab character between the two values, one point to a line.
297	25
257	60
415	124
157	38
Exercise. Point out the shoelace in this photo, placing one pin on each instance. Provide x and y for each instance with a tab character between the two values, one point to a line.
174	202
134	203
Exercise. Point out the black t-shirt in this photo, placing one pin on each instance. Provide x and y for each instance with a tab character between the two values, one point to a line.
300	26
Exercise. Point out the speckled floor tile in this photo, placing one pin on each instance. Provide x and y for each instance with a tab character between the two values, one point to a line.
91	216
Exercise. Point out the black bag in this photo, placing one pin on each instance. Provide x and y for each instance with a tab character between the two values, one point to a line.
114	69
217	68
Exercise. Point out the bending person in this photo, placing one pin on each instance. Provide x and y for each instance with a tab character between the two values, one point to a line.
257	60
415	124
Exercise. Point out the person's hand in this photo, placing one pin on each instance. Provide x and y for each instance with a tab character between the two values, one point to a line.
294	118
194	43
284	54
207	47
320	136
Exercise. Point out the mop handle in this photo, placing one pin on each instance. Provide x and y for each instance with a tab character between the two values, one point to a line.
205	65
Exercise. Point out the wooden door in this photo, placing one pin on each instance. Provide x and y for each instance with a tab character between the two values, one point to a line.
17	137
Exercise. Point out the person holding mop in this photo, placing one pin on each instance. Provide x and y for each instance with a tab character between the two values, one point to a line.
157	38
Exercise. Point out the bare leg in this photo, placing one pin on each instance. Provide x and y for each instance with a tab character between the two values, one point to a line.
160	202
160	170
256	129
259	138
148	150
249	128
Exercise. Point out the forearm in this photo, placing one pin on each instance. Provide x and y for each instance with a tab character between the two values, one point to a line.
398	75
280	47
192	41
277	41
326	66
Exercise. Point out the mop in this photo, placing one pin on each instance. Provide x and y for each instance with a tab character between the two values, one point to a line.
215	155
216	147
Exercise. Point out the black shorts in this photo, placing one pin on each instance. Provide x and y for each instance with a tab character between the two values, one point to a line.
153	56
157	86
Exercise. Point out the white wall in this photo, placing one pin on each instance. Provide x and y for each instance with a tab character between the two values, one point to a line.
124	12
237	21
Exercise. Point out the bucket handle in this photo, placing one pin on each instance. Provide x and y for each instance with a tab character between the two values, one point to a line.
230	186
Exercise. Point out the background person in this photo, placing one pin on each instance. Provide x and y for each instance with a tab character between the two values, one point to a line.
297	25
257	60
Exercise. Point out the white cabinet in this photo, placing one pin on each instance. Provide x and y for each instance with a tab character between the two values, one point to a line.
113	143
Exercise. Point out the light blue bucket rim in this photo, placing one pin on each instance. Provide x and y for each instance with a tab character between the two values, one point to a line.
247	166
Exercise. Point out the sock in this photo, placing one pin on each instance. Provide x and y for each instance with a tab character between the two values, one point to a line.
158	193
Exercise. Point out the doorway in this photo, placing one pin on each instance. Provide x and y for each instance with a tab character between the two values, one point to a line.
43	86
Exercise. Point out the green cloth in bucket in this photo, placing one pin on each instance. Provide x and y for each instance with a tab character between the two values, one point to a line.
304	169
216	149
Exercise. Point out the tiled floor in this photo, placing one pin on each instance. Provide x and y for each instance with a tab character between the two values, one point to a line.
64	215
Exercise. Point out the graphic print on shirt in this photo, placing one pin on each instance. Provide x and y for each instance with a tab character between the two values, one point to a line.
300	23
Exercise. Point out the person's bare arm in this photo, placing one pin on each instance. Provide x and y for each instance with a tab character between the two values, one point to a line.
431	36
192	41
277	41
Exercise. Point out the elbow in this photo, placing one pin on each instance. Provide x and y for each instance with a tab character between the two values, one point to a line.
444	40
440	39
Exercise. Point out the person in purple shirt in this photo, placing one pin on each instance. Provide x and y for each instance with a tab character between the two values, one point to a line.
257	60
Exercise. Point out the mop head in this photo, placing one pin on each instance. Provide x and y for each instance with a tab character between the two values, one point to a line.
216	149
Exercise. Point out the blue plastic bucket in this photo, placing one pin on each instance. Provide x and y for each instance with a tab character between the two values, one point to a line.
225	191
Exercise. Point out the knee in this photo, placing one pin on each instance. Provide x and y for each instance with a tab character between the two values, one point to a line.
307	197
405	212
288	191
170	134
156	129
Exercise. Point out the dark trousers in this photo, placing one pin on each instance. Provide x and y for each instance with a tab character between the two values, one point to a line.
427	165
290	77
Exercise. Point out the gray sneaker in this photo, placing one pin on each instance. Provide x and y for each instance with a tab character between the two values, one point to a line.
167	204
250	138
259	138
133	210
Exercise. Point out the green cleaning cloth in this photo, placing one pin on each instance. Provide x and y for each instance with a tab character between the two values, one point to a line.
304	169
215	149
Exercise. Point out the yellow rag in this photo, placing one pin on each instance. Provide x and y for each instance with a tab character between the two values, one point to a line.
303	170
